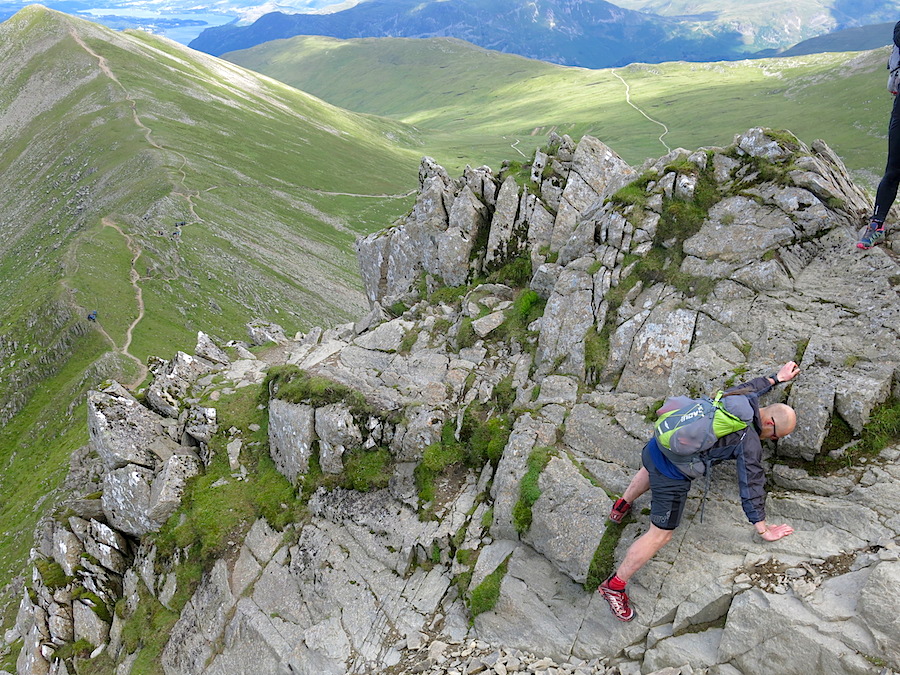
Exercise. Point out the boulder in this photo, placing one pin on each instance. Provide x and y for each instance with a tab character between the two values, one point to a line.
337	432
172	382
123	431
568	519
126	500
264	332
291	435
209	350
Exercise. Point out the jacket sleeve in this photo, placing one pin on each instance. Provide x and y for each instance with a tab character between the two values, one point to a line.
897	34
751	477
759	385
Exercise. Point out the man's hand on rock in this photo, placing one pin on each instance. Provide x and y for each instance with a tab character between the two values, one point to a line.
776	532
788	371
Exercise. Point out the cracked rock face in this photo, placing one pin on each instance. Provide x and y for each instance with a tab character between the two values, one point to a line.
643	295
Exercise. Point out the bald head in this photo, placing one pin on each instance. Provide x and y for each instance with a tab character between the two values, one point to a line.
778	420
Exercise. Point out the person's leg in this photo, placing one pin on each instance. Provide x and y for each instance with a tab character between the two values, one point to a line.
639	484
887	188
668	497
644	547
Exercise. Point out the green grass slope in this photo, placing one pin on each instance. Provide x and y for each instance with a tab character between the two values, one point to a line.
106	141
472	105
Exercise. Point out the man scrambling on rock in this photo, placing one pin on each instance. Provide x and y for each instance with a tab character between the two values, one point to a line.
669	486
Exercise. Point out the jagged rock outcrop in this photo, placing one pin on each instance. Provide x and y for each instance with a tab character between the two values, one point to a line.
458	460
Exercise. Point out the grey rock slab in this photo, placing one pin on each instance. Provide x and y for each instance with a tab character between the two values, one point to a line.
558	389
122	431
126	500
697	650
536	610
665	335
878	608
88	625
245	571
67	550
337	432
595	434
169	485
386	337
510	469
263	541
291	435
768	631
488	324
567	318
209	350
568	519
503	220
490	558
597	172
832	519
813	398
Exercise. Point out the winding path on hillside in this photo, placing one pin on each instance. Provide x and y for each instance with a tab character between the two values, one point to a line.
139	299
148	133
628	100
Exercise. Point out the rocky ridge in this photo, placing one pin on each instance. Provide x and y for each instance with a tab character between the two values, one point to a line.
523	327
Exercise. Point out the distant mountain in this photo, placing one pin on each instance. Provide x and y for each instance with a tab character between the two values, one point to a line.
589	33
847	40
764	24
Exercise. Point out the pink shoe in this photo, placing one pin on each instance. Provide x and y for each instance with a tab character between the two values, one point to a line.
619	510
618	601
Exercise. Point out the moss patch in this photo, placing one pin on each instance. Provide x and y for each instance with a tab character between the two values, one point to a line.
529	491
603	562
484	596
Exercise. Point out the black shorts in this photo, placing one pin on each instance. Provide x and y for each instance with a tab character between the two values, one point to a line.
668	496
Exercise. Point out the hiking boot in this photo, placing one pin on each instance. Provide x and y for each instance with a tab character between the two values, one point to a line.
619	510
874	233
618	602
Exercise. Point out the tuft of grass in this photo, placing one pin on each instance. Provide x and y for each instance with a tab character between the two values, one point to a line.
603	561
529	491
801	350
465	335
435	459
366	470
484	596
487	518
52	574
406	344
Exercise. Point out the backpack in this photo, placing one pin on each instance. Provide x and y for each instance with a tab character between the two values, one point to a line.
687	428
893	83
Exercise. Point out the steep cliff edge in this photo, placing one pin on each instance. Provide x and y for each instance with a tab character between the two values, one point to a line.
439	472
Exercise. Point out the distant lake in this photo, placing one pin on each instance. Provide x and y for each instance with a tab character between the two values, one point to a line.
181	26
176	23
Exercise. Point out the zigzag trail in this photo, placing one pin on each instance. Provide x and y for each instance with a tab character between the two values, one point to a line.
129	242
628	100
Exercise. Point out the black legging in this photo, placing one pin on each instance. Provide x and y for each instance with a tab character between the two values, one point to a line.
887	188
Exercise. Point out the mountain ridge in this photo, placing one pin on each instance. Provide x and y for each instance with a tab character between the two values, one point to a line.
132	163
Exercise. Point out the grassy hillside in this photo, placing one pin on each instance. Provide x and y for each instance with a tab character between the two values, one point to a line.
107	140
472	105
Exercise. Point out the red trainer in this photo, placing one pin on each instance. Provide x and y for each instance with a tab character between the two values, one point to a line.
619	510
618	601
